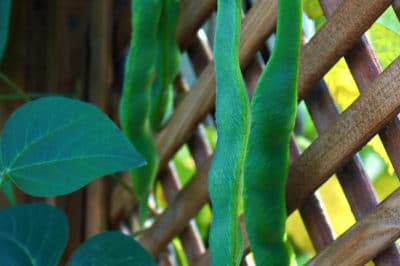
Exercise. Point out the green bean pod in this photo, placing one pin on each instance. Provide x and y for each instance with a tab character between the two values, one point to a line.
273	111
135	101
167	66
225	179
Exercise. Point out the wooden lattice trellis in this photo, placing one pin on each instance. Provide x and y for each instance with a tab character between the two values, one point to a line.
334	151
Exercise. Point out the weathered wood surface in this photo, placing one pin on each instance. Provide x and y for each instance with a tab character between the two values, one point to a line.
364	240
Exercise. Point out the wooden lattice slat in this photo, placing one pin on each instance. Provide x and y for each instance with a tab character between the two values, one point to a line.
345	136
365	239
334	151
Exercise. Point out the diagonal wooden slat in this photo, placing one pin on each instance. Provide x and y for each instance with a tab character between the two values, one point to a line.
364	240
256	26
326	47
178	213
312	209
354	127
352	177
313	213
190	237
365	67
331	150
339	34
193	14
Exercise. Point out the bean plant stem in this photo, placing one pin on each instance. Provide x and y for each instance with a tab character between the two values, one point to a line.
3	177
124	185
13	86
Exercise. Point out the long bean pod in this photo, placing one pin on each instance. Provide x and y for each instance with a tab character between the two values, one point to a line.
273	110
167	65
135	101
225	179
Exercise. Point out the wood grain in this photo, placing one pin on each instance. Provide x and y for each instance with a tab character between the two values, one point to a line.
339	34
193	14
365	67
364	240
345	136
331	42
190	237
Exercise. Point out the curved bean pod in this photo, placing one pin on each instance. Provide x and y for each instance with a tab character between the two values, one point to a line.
273	111
135	101
167	66
225	179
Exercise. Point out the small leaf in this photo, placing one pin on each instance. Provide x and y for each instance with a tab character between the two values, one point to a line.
111	248
32	234
54	145
386	43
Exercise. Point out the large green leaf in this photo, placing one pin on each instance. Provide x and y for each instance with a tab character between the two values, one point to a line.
32	234
5	6
111	248
54	145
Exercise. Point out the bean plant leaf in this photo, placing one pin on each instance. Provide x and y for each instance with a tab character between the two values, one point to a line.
32	234
54	145
111	248
5	7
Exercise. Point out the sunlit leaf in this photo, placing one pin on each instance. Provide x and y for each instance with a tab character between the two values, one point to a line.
376	144
389	20
386	43
336	206
184	164
54	145
32	234
312	8
111	248
341	84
